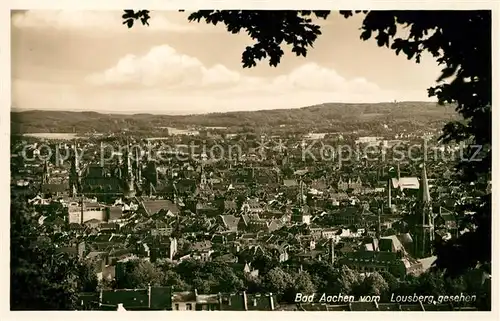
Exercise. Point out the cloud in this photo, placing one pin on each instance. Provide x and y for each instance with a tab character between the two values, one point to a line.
166	81
313	77
95	21
164	67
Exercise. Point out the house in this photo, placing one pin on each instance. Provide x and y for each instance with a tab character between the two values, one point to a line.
55	189
446	219
184	301
404	183
346	216
162	247
93	223
164	207
153	298
230	222
252	206
290	183
207	209
208	302
377	261
230	206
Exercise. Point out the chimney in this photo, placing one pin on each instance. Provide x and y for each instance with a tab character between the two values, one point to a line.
271	301
332	251
81	209
245	301
219	299
100	297
390	196
149	295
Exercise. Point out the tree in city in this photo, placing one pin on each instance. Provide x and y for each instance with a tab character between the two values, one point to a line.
41	278
173	279
87	277
345	280
301	283
460	41
139	274
277	281
373	284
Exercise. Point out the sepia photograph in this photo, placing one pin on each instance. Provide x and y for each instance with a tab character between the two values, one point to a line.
251	160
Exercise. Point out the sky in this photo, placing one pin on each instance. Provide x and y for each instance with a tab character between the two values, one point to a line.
90	61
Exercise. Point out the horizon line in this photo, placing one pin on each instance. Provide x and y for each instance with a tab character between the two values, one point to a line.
175	113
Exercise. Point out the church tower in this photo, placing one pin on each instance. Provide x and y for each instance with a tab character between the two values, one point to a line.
203	176
45	173
74	174
138	169
129	178
423	237
301	212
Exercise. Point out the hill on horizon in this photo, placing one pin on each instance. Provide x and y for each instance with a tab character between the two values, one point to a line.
317	116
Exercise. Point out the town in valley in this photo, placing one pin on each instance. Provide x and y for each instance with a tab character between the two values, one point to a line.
166	222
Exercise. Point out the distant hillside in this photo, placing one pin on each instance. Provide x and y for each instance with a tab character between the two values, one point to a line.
339	115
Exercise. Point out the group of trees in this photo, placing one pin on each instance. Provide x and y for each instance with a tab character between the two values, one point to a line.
285	281
41	277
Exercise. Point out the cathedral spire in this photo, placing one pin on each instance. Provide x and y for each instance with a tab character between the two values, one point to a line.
424	194
74	175
301	196
45	174
138	164
424	220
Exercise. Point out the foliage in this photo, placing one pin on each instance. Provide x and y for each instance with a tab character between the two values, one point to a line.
87	277
139	274
373	284
41	278
277	280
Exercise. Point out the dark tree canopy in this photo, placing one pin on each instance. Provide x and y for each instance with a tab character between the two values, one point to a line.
460	41
41	278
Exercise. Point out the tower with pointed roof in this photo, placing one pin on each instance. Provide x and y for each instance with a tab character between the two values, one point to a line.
74	174
203	176
45	173
301	212
129	179
423	231
341	185
138	165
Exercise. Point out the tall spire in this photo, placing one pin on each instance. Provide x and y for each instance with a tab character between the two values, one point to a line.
129	165
138	164
424	194
379	224
390	192
301	200
424	220
45	174
74	176
129	182
75	154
